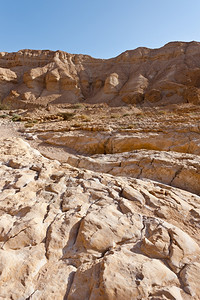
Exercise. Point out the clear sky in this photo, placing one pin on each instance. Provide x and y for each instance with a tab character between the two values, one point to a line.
100	28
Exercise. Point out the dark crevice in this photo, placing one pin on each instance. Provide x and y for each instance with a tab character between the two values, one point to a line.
29	297
46	215
140	174
69	284
182	285
105	147
12	237
73	235
77	231
47	233
144	226
106	252
175	175
62	200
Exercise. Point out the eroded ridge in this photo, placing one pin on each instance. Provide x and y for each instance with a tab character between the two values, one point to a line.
69	233
170	74
157	144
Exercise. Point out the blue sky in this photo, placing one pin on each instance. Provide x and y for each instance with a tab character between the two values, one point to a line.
101	29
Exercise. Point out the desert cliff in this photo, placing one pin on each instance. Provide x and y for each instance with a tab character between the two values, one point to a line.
167	75
100	175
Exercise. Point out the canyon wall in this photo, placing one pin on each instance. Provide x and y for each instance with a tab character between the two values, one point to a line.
167	75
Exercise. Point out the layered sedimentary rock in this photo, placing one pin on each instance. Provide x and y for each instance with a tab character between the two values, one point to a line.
161	146
100	200
67	233
170	74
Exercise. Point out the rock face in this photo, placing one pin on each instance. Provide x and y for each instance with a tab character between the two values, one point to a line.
69	233
163	146
100	201
170	74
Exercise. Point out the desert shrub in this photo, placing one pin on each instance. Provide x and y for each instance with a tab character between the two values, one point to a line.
4	116
78	106
66	116
34	121
16	118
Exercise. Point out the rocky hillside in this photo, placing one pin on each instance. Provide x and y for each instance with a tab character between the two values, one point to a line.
67	233
100	201
170	74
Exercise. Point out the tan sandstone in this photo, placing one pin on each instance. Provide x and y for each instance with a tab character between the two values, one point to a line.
99	175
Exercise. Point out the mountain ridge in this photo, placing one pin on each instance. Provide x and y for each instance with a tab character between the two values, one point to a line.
170	74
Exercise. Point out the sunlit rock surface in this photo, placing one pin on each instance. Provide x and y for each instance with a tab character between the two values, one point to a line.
69	233
99	175
170	74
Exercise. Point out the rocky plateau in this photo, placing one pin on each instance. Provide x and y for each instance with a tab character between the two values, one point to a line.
100	175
